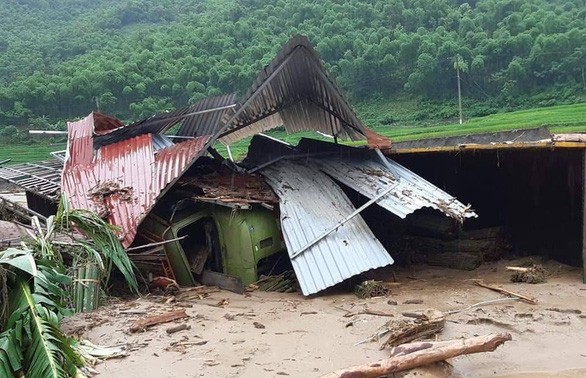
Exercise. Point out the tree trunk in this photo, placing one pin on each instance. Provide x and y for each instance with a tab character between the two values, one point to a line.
409	356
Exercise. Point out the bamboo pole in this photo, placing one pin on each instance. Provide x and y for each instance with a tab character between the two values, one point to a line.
80	288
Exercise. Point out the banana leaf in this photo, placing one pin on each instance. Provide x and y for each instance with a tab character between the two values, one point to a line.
32	342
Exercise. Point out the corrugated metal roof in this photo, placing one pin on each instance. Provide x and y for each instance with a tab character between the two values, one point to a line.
296	85
122	181
201	118
161	141
211	121
104	124
42	177
310	204
369	177
267	123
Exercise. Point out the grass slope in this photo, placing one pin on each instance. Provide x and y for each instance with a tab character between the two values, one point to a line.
24	153
559	119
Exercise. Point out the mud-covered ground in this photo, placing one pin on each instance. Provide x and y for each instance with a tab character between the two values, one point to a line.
274	334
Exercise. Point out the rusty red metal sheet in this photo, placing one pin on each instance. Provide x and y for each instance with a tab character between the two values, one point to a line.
104	124
121	181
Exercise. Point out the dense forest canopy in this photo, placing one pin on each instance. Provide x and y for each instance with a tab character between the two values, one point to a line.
60	59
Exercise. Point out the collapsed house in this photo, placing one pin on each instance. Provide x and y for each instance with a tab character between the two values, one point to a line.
530	183
186	213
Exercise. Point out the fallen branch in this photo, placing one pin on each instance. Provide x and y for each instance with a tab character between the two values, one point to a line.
479	304
368	312
507	292
142	324
431	322
409	356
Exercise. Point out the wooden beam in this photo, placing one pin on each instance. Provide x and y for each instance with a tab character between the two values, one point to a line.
474	147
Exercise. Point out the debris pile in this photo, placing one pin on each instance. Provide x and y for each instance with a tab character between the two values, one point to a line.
285	282
413	327
438	240
533	274
371	289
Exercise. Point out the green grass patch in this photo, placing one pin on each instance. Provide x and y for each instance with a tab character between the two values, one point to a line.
24	153
562	118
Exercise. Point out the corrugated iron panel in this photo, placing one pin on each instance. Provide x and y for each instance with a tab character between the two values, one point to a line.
310	204
124	179
297	85
210	122
201	118
80	149
267	123
42	178
161	141
104	124
369	177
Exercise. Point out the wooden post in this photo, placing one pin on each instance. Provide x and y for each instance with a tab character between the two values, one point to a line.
459	89
584	216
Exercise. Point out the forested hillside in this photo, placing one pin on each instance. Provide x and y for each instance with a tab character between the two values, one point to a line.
60	59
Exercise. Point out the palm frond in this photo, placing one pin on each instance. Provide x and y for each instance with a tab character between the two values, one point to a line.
102	235
42	238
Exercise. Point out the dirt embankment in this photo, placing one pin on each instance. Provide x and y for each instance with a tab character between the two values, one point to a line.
274	334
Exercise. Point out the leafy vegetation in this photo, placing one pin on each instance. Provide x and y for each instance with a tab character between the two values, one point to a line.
60	59
35	294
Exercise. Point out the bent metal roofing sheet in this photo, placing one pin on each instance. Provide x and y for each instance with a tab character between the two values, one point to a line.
310	204
411	192
295	91
202	118
121	181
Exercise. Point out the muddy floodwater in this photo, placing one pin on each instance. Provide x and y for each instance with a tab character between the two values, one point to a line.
274	334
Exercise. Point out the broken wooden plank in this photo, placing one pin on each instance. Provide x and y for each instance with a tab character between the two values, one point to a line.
224	281
506	292
409	356
144	323
177	328
516	269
